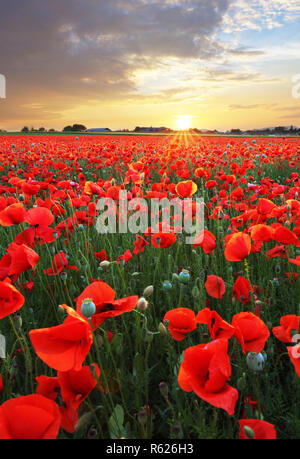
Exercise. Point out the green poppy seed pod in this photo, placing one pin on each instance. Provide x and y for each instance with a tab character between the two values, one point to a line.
84	420
167	286
293	332
142	304
18	322
162	329
148	291
184	276
63	276
255	361
104	264
163	389
88	308
249	432
21	197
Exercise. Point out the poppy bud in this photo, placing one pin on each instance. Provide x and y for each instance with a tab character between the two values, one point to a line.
195	291
142	304
18	322
163	389
142	417
104	264
175	276
92	433
84	420
241	382
162	329
88	308
249	432
148	337
148	291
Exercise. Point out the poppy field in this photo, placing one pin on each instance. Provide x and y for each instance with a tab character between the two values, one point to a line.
141	335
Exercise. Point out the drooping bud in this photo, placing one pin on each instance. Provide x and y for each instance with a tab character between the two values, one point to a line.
148	291
142	304
162	329
163	389
104	264
249	432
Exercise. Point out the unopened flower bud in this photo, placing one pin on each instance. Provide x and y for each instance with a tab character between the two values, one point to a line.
148	291
104	264
163	388
84	420
142	304
162	329
249	432
18	322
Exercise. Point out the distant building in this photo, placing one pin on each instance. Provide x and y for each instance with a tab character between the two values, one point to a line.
98	130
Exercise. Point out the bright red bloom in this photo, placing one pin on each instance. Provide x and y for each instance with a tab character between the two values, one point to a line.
59	264
163	240
262	429
181	321
206	240
103	296
218	328
287	324
64	347
11	300
29	417
186	189
205	370
242	289
251	332
238	247
39	216
139	244
215	286
19	258
12	215
75	385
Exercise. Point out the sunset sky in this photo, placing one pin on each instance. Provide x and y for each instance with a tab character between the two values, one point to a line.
125	63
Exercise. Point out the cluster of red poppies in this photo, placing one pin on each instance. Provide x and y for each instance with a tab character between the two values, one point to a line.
47	194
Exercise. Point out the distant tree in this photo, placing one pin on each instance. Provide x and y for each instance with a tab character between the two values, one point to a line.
75	128
25	129
67	129
42	129
235	131
51	130
78	128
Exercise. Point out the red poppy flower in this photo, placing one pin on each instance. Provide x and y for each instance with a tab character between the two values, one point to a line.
287	324
59	264
11	300
294	354
75	386
285	236
39	216
103	296
262	233
242	289
139	244
206	240
238	247
215	286
64	347
262	430
29	417
12	215
218	328
186	189
205	370
19	258
163	240
295	261
181	321
251	332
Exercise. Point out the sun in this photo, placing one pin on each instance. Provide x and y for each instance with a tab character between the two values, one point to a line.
183	122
